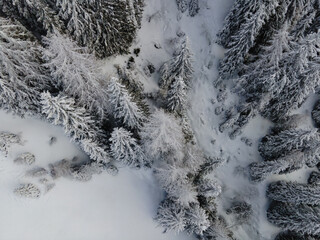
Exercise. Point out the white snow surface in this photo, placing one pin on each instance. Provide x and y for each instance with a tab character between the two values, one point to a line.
122	207
109	207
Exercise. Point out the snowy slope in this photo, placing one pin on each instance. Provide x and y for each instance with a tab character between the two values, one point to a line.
107	207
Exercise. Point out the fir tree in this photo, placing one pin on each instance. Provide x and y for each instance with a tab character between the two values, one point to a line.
123	106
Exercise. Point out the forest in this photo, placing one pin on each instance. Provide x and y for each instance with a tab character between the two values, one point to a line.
60	64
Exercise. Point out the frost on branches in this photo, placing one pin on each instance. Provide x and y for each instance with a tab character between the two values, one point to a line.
123	106
7	139
303	219
77	124
21	76
180	66
162	135
84	21
296	193
77	72
28	190
125	149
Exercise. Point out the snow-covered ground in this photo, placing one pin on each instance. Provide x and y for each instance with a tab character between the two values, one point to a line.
122	207
107	207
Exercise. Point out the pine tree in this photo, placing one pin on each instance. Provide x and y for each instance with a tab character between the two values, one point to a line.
76	72
77	124
179	66
162	136
21	75
125	149
302	219
123	106
296	193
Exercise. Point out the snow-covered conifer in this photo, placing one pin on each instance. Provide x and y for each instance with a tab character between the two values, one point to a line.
177	96
303	219
302	70
197	220
314	178
171	216
28	190
7	139
193	7
77	123
316	114
183	5
257	12
274	146
76	72
289	235
179	66
209	188
162	135
123	106
296	193
125	149
36	14
241	210
21	75
286	164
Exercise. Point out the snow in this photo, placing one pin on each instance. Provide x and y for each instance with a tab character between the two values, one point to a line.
122	207
107	207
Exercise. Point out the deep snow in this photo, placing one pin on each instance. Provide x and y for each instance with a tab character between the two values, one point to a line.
122	207
107	207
